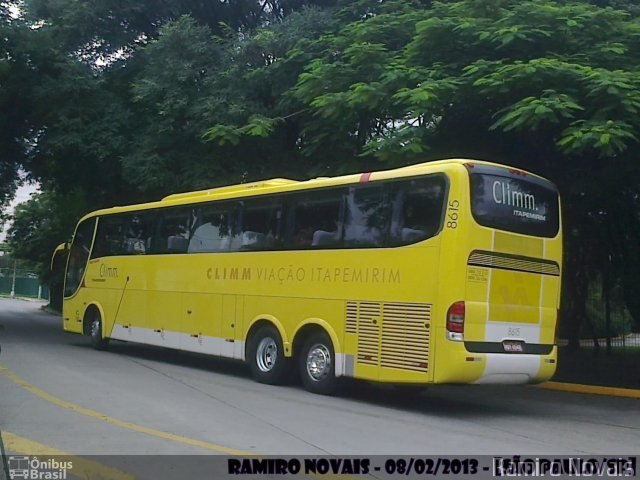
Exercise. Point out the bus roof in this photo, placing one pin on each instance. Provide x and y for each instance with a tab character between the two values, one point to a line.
231	189
284	184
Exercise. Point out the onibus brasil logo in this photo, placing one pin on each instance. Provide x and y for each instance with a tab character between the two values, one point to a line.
33	468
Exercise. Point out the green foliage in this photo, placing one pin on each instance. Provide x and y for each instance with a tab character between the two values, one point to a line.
607	138
42	223
170	90
99	29
620	318
14	107
257	126
531	112
223	134
255	119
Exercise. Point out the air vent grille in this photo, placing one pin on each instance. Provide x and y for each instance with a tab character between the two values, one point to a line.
391	335
405	336
515	263
368	333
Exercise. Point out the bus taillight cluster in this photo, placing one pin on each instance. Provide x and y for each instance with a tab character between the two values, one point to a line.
455	322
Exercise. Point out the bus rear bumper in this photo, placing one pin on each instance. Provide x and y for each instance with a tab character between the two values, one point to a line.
517	369
495	368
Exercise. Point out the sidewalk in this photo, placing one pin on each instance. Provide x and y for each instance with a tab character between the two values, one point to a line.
591	389
588	371
25	299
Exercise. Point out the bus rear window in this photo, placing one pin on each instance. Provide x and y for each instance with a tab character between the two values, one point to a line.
517	205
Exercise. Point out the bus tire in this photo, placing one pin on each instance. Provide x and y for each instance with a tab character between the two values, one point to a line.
266	356
95	333
316	364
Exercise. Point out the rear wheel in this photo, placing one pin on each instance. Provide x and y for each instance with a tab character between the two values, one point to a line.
266	356
317	364
95	332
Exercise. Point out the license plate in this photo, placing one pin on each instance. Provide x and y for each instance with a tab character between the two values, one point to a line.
512	347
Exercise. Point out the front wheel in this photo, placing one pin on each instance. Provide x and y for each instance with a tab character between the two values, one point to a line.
317	364
95	333
266	356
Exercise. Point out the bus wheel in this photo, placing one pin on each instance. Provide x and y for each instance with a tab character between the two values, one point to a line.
95	333
266	356
317	364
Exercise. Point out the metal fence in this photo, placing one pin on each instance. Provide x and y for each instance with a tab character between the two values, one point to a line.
609	343
608	323
22	283
631	340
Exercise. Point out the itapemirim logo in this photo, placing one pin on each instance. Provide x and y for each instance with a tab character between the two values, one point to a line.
32	468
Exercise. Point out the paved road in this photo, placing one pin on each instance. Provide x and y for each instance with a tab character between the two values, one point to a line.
57	393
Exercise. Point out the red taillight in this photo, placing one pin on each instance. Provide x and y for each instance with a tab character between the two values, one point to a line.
455	321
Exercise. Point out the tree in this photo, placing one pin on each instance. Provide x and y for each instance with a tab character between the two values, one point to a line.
101	29
14	124
43	222
258	121
169	95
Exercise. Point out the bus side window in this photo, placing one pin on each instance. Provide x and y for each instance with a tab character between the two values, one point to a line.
172	235
137	233
315	219
110	236
416	209
260	224
366	217
212	231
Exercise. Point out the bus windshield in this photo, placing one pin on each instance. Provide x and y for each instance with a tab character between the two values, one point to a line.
78	256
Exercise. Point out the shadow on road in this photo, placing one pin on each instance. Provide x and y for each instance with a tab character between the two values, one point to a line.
440	400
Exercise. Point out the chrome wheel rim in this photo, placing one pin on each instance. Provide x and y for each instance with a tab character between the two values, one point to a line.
318	362
266	354
95	328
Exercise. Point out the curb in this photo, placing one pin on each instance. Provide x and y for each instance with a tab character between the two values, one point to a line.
23	299
591	389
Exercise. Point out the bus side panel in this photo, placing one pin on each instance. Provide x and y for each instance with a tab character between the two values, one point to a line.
103	288
407	328
72	315
289	312
451	362
379	305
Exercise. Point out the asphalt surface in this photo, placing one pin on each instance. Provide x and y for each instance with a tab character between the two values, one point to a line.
57	393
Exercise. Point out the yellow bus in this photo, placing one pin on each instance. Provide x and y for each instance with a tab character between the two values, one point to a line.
441	272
